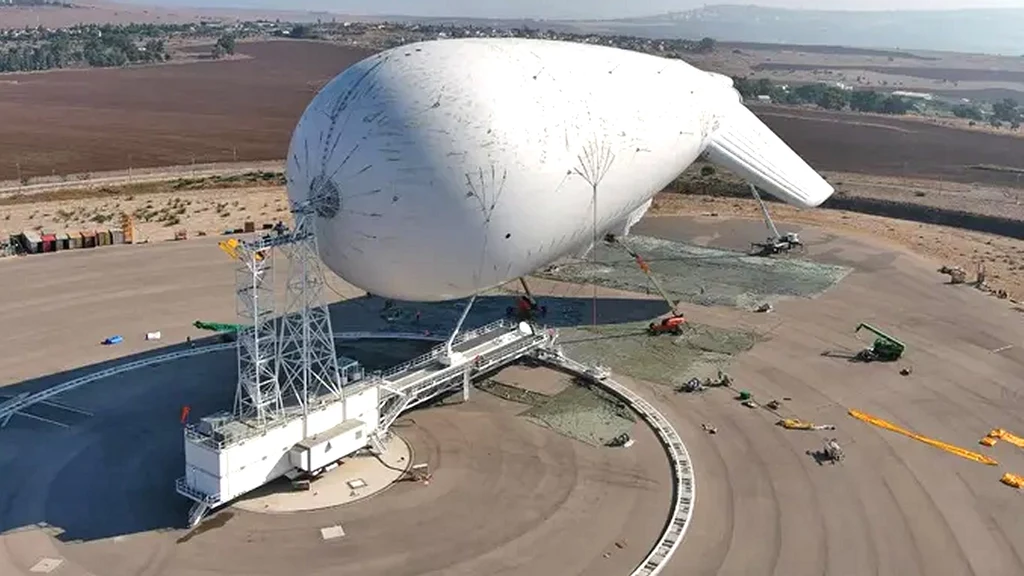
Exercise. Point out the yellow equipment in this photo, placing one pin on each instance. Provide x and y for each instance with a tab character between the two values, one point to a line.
231	246
798	424
794	424
1013	480
998	434
128	228
961	452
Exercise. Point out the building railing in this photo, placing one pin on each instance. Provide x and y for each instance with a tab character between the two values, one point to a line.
181	486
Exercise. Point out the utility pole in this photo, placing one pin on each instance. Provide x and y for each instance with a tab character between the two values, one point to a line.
593	254
193	165
18	166
129	168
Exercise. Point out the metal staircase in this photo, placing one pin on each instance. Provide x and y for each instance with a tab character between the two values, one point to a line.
426	378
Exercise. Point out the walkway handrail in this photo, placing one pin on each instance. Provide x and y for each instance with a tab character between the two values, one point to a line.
16	405
684	485
430	356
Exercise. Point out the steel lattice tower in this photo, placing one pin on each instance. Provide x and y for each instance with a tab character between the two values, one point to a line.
306	359
258	396
290	361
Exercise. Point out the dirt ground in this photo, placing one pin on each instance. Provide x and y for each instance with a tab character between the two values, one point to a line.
1003	257
200	212
213	211
513	497
895	506
71	122
507	496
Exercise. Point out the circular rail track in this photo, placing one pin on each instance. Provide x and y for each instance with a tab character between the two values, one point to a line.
683	484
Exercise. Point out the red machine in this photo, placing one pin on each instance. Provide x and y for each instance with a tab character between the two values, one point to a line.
527	307
670	325
673	324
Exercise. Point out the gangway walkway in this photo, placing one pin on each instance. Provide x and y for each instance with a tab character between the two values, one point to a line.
484	349
404	386
684	486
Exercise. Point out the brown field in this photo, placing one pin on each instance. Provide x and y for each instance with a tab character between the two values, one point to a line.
846	142
73	122
92	120
946	74
97	12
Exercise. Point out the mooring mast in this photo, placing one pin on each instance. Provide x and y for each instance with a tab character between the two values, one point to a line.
288	361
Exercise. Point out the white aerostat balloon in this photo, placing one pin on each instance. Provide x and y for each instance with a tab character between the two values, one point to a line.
441	169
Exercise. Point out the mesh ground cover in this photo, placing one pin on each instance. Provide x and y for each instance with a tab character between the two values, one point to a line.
513	393
583	413
586	414
664	359
704	276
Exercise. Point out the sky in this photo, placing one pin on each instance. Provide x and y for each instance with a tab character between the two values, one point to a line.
567	9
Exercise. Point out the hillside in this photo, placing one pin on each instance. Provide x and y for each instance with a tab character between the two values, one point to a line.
992	31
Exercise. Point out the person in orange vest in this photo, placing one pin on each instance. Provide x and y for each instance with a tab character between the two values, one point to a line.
184	413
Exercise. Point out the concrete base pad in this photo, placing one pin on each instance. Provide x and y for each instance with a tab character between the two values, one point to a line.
356	478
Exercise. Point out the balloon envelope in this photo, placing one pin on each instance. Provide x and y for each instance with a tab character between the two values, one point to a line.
444	168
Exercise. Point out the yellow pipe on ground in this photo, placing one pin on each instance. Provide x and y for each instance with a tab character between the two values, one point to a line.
1013	480
1000	434
794	424
961	452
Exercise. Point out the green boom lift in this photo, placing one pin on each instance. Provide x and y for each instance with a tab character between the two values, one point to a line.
217	326
885	348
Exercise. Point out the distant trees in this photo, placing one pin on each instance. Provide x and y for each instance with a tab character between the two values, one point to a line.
103	45
1007	110
824	96
705	45
302	31
866	101
107	45
225	45
50	3
968	112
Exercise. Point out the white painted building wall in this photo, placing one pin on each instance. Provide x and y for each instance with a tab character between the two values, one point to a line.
240	468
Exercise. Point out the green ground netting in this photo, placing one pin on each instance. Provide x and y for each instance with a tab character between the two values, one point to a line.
582	413
698	275
513	393
585	414
665	359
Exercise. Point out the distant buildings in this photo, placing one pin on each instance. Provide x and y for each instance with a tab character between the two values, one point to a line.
914	95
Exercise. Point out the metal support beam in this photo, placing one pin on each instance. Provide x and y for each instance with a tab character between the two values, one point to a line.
258	395
307	362
462	320
290	361
764	211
